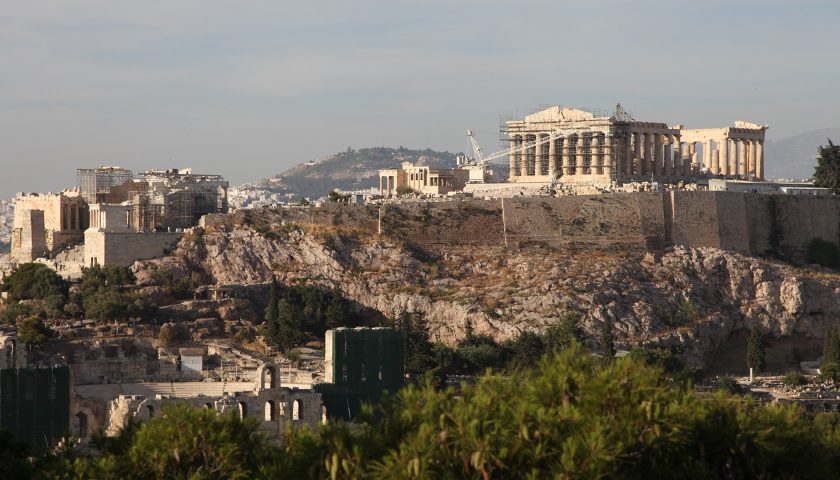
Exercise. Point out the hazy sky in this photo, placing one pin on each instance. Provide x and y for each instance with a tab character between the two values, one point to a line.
250	88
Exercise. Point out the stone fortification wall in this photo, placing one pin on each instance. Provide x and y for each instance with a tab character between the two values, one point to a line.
587	221
124	248
755	224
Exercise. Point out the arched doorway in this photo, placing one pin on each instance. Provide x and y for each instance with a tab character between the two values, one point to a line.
296	410
269	411
81	425
150	409
243	410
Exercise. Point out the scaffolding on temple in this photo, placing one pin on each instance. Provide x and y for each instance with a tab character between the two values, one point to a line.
97	185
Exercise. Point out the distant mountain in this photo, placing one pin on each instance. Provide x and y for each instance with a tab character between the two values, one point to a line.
796	157
350	170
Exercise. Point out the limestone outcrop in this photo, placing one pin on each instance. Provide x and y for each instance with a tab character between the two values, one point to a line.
689	297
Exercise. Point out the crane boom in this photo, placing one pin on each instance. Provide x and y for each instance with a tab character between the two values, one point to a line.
481	158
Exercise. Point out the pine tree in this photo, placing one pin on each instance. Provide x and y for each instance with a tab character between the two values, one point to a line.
755	351
561	336
272	312
827	171
831	347
607	342
288	329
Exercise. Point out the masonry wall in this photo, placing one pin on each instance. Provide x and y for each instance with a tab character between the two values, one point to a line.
124	248
735	221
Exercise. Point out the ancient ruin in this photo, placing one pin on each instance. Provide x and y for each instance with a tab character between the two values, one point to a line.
46	222
576	145
420	179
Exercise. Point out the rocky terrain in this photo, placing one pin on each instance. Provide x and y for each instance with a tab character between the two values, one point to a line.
696	299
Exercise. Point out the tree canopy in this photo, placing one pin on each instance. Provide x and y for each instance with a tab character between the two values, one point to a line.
570	416
34	281
827	171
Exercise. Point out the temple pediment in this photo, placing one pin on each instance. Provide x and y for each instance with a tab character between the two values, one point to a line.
559	114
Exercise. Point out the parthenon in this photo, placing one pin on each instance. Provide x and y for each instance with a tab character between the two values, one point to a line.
573	145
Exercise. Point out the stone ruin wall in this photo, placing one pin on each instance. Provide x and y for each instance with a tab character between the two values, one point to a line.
739	222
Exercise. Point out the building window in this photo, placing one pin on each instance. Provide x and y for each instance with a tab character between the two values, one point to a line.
296	410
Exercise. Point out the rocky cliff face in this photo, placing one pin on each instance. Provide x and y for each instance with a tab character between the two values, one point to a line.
694	298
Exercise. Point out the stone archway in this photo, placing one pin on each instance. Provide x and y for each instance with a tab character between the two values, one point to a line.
267	377
79	425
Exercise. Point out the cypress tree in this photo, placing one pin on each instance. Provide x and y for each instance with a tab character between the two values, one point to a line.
607	342
827	171
831	347
755	351
272	312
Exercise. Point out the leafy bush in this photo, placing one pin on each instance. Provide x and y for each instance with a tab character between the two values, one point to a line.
729	385
32	330
830	371
172	334
794	378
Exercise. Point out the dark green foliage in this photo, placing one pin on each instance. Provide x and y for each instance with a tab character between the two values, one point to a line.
103	295
831	346
32	330
607	342
179	288
729	385
827	171
304	310
336	197
12	312
184	443
794	378
272	311
527	349
419	350
13	457
755	351
830	371
664	359
823	253
480	352
288	328
564	334
34	281
568	417
686	313
172	334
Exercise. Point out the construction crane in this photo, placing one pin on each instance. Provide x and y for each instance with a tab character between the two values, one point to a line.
480	159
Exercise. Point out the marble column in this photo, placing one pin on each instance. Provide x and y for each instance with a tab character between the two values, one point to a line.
609	156
742	159
566	155
657	155
753	158
669	161
759	166
523	157
678	161
723	148
538	153
552	156
579	155
511	159
596	160
636	161
626	165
